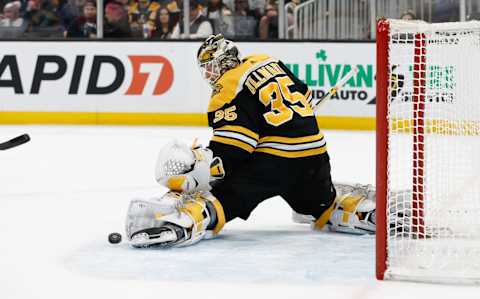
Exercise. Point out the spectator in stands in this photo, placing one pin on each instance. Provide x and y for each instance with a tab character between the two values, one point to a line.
70	11
171	5
43	17
116	21
141	15
268	26
220	15
85	26
242	8
258	6
174	9
408	16
164	24
42	13
246	20
200	27
124	3
23	6
11	15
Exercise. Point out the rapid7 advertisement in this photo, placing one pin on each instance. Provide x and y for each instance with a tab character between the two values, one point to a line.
100	76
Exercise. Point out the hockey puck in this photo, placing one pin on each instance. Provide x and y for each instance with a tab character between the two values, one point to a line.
114	238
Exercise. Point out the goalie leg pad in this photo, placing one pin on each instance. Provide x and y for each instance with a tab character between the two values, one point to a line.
353	211
353	214
368	191
191	219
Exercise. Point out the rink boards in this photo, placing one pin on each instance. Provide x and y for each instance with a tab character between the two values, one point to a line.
158	83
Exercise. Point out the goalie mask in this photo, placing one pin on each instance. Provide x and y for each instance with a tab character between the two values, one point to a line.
216	56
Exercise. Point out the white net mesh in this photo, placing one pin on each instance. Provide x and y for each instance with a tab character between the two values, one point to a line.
433	179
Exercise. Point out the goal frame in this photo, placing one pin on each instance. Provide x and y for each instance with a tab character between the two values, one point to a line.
428	205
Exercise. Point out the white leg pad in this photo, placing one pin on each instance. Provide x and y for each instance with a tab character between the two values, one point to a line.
354	210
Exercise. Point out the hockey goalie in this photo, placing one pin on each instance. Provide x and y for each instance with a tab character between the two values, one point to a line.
266	142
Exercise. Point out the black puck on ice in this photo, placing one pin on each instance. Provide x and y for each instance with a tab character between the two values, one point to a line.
114	238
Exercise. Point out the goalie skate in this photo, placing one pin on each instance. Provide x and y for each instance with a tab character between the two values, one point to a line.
164	237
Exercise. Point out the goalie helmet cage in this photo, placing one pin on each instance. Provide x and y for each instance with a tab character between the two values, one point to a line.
428	151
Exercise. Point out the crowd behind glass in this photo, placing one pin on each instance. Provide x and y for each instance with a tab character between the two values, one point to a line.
159	19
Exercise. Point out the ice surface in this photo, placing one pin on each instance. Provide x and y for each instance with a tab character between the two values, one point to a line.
66	190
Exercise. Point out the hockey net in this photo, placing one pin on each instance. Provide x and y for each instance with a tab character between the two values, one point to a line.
428	151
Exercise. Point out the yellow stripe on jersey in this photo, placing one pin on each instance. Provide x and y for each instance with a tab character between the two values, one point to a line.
292	147
238	133
229	84
239	129
291	140
234	142
293	154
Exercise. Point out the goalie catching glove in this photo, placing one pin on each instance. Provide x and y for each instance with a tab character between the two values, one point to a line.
187	169
174	220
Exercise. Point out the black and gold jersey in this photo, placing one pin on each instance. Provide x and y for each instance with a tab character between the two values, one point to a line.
261	107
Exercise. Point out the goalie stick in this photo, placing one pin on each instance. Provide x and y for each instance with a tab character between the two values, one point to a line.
14	142
334	89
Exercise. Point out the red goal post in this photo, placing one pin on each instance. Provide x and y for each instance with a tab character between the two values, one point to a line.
428	151
381	145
